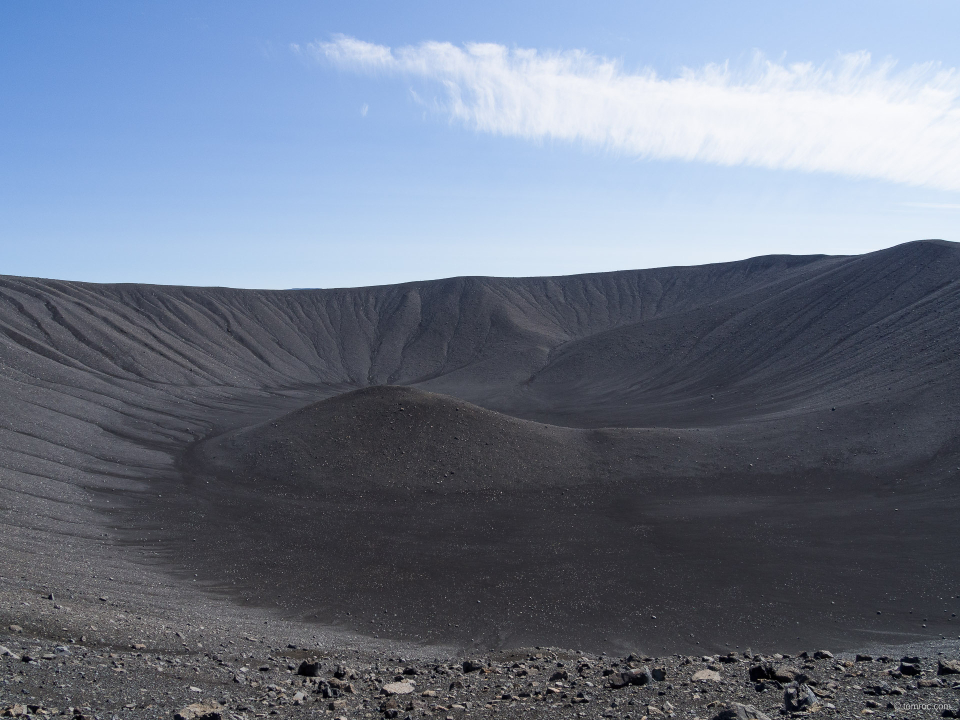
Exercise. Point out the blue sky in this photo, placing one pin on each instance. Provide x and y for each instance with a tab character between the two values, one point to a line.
304	144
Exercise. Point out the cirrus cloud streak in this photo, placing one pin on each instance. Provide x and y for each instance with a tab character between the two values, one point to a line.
852	117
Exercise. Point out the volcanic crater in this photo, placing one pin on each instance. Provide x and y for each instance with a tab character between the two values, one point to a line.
758	452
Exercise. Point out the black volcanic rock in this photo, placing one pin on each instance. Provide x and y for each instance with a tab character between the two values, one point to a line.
763	671
309	669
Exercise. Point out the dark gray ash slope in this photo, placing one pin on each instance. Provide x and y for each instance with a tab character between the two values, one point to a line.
751	452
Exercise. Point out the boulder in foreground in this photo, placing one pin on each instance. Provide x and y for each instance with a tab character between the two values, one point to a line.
200	711
738	711
397	688
948	667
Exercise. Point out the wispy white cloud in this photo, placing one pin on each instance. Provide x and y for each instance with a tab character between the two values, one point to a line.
853	117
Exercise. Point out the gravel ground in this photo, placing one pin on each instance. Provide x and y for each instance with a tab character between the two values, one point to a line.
96	657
